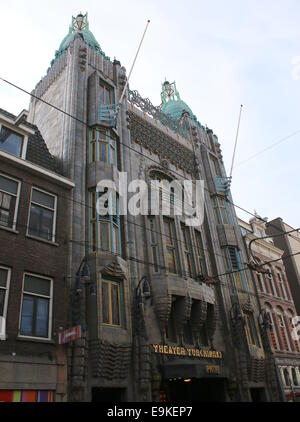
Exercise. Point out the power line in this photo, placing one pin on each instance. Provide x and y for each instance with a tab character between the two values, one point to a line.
127	146
269	147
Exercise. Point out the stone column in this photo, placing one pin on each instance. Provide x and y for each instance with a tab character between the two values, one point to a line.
298	374
282	376
289	368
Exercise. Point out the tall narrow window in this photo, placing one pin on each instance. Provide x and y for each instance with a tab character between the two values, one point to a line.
106	94
154	244
36	307
271	282
215	166
103	146
112	303
104	231
261	282
283	332
11	141
273	336
235	266
188	251
42	215
282	285
222	212
251	330
201	254
9	193
171	245
4	288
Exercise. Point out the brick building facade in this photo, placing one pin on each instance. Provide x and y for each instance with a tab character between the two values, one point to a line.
34	239
276	300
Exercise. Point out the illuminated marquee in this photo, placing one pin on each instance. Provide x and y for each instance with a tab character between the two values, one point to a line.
187	352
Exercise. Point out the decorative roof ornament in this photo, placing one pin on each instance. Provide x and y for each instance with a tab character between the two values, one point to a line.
172	104
169	92
79	25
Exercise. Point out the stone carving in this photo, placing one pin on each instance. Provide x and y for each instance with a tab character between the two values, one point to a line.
256	369
199	314
114	270
146	106
110	361
159	143
163	306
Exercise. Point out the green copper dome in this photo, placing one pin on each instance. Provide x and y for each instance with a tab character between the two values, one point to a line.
172	104
80	25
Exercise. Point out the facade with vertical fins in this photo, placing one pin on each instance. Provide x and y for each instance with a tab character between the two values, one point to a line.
168	311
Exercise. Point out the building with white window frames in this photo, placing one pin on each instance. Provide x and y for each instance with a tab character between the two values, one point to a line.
274	293
34	238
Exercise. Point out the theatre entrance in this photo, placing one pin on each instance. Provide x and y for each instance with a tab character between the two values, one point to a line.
193	390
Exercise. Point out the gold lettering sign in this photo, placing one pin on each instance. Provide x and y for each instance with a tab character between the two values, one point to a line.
210	369
190	352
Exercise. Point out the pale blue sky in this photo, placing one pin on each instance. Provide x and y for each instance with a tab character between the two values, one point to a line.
220	53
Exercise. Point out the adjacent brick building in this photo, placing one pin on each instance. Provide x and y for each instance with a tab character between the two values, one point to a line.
34	243
276	300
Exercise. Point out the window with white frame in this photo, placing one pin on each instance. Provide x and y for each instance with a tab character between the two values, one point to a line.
42	215
261	282
9	198
4	290
281	284
283	331
36	309
11	141
271	280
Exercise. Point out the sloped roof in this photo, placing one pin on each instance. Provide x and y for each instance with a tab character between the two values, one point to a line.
37	150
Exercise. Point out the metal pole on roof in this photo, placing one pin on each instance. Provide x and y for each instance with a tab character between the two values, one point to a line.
236	141
127	82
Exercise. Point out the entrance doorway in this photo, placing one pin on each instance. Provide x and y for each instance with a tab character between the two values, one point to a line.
107	395
195	390
258	395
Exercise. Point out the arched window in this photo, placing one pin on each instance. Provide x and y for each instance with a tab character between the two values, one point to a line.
273	333
283	329
271	282
289	316
281	283
286	377
294	377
